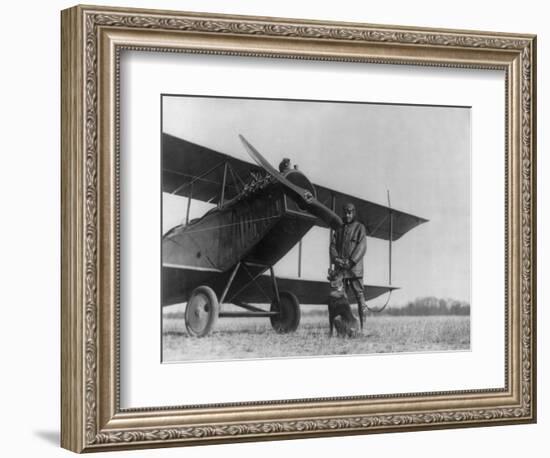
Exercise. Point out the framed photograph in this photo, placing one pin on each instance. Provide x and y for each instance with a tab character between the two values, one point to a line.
278	228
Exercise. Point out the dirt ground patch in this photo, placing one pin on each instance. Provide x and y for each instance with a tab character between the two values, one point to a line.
251	338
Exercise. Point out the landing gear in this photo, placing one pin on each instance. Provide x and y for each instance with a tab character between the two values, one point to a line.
203	307
202	311
288	314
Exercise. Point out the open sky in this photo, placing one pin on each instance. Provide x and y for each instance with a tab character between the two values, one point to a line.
421	154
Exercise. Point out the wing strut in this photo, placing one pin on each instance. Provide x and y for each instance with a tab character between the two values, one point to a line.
227	168
390	235
390	240
300	259
189	204
221	202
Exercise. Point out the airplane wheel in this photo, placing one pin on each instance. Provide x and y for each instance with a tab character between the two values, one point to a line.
202	311
289	315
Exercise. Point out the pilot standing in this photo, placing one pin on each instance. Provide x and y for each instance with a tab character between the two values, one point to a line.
347	248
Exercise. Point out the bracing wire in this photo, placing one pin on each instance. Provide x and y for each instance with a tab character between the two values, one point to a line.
380	309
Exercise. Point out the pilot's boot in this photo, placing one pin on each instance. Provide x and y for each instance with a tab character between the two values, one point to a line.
361	306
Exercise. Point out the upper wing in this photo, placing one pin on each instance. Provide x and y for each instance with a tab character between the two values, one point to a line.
375	217
312	292
194	171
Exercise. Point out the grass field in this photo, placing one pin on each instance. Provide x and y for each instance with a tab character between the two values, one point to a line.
243	338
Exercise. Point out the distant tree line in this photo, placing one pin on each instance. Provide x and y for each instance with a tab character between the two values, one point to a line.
427	306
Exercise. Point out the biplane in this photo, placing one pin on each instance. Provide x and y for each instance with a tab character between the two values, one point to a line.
227	255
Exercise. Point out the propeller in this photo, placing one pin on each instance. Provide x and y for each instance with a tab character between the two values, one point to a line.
306	199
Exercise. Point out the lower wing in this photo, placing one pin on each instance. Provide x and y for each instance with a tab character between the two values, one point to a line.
314	292
178	282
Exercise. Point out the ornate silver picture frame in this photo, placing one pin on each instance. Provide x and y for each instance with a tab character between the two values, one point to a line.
96	413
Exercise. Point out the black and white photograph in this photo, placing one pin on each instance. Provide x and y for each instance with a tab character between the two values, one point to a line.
276	228
307	228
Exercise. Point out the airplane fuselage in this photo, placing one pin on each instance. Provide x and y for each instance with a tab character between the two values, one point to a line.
257	227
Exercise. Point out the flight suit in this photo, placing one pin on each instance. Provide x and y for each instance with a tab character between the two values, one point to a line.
347	249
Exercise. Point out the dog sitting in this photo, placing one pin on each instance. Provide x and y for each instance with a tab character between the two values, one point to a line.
340	315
